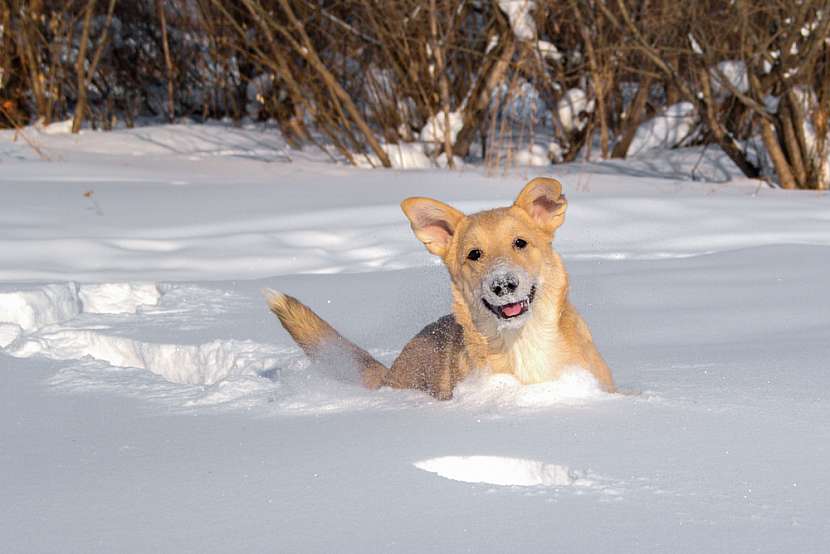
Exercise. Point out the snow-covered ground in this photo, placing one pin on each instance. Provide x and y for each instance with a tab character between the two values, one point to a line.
149	401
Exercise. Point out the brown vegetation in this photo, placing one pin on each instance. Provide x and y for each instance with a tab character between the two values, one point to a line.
358	75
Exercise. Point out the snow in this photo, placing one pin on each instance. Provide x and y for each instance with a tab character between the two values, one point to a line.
433	131
57	127
555	152
549	50
533	155
667	130
497	470
734	71
404	155
441	161
9	332
150	402
505	392
520	14
32	308
695	45
520	102
117	298
570	106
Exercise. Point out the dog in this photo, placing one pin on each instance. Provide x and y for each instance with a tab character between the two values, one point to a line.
510	310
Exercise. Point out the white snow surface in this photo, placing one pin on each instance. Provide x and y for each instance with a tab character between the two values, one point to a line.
667	130
150	402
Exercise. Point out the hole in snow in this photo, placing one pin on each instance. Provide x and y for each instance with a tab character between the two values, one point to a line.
498	470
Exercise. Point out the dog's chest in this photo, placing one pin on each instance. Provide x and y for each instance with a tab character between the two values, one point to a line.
537	356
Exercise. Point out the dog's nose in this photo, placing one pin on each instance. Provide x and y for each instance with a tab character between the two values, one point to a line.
505	283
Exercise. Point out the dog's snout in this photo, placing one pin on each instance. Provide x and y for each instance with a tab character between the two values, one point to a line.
505	283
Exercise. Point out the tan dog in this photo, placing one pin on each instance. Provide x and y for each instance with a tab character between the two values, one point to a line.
510	302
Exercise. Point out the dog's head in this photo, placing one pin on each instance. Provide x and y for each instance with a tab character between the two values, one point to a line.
497	259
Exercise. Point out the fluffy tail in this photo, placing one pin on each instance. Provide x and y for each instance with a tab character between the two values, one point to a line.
319	340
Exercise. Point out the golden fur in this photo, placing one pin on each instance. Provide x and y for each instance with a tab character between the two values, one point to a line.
544	342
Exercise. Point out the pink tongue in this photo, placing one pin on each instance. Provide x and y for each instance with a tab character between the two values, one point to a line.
512	310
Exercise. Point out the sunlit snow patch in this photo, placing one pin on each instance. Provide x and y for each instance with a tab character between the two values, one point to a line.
575	386
118	298
37	307
504	471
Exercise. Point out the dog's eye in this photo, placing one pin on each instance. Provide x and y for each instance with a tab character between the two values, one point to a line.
519	243
474	254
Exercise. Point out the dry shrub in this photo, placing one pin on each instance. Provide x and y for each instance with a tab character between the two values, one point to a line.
492	80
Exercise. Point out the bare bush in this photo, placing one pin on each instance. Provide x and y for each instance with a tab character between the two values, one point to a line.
753	69
506	81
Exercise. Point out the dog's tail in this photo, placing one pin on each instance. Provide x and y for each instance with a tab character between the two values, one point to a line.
320	341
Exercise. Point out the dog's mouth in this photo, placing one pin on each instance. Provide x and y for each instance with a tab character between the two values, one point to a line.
513	309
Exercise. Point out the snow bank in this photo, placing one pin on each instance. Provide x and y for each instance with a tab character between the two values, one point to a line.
665	131
37	307
35	322
34	308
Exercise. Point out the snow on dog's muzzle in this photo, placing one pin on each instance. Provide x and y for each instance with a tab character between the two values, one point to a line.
508	292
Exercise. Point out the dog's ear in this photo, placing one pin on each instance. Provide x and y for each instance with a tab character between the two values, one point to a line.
433	222
543	200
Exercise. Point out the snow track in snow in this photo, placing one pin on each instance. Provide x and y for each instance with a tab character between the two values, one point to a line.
44	321
197	364
161	341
